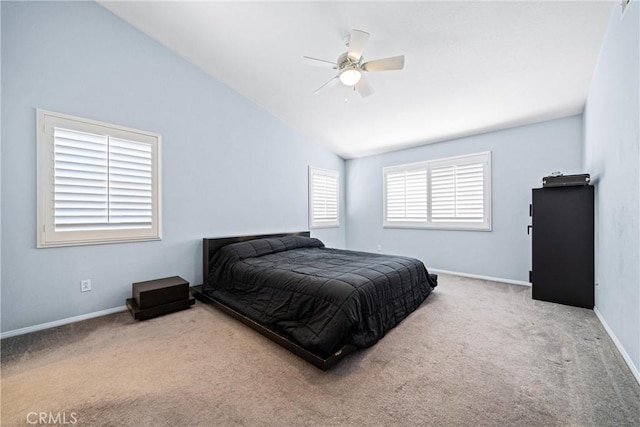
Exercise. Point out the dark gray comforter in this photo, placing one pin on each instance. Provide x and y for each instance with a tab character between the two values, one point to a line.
321	297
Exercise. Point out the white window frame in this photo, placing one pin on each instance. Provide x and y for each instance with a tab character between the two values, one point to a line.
428	166
47	236
325	222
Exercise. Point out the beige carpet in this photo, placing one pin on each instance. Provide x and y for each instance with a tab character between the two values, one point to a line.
475	353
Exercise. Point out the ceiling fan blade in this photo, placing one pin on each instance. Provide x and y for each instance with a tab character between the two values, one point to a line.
364	88
327	85
356	44
319	62
386	64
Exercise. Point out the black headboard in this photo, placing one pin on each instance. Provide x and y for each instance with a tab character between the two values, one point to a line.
211	245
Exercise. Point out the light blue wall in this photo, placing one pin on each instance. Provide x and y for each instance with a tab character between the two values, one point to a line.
228	168
0	151
611	154
520	157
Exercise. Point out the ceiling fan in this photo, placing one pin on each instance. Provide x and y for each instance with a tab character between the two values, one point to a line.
351	67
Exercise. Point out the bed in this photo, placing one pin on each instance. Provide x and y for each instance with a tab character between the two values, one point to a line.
321	303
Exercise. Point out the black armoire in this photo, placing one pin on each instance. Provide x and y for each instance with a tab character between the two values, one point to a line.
563	245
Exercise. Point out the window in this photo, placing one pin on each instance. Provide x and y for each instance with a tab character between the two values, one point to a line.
323	198
97	183
453	193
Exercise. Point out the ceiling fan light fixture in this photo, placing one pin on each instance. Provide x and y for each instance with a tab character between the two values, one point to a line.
350	76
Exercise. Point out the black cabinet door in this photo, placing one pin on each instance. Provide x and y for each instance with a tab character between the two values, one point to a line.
563	245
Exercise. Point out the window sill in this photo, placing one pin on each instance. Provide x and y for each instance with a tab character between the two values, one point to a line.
448	227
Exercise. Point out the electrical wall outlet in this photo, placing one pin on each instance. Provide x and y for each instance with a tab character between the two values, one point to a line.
85	285
379	248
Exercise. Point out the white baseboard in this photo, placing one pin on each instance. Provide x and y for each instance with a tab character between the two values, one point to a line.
476	276
623	352
61	322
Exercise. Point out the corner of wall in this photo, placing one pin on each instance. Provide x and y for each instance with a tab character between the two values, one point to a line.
1	38
611	137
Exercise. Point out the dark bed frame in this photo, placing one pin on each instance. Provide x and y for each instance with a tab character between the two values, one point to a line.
209	248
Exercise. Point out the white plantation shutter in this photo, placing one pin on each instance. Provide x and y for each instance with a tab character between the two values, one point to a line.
323	198
97	183
100	182
325	206
406	196
457	193
130	184
80	180
449	193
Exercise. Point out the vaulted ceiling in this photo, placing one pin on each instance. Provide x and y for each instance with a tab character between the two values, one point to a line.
470	67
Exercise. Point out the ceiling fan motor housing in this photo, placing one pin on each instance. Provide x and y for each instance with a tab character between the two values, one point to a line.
344	61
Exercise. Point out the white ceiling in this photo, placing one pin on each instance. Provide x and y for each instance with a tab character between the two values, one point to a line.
471	66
